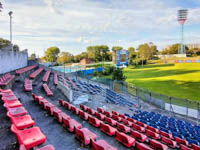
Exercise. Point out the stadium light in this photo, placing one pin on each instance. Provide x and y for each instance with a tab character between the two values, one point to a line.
182	17
10	14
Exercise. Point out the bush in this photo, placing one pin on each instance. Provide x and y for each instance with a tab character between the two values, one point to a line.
118	75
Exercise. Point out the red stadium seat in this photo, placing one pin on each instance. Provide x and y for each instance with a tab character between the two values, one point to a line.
55	111
127	123
21	122
141	146
46	76
9	98
47	147
30	137
61	102
36	73
195	147
184	147
166	134
91	111
71	124
101	145
28	85
49	107
100	110
181	141
23	70
141	124
153	129
139	136
57	114
85	136
169	142
83	107
126	140
108	114
75	110
123	128
68	106
38	98
117	118
157	145
110	121
131	120
138	128
47	90
123	116
94	121
12	104
43	102
83	115
108	129
152	134
17	111
55	78
115	113
100	116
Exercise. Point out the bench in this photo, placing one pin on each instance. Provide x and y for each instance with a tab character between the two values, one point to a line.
46	76
47	90
35	73
24	70
55	78
6	81
28	85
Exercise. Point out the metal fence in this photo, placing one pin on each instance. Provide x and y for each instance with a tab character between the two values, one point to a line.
185	107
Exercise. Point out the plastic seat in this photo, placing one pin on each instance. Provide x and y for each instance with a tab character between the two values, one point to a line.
110	121
169	142
184	147
153	129
127	123
71	124
123	116
139	136
141	124
42	102
117	118
38	98
131	120
157	145
126	140
123	128
141	146
17	111
108	129
100	110
138	128
47	90
166	134
47	147
195	147
68	106
83	107
21	122
12	104
75	109
181	141
30	137
152	134
10	98
49	107
85	136
83	115
94	121
108	114
115	113
100	116
61	102
101	145
91	111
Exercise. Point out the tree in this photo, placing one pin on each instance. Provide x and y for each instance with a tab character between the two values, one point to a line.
118	75
64	57
147	50
51	54
173	49
115	48
33	56
131	54
5	43
16	48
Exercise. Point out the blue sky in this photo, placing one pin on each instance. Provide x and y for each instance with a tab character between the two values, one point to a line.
72	25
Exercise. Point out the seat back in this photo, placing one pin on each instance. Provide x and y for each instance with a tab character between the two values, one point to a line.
141	146
14	129
96	146
79	134
136	134
122	137
157	144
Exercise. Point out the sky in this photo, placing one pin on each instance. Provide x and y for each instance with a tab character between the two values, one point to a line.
72	25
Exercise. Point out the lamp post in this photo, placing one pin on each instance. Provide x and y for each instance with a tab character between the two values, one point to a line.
1	6
182	17
10	14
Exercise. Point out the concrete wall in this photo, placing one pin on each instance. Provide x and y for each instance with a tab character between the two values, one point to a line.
10	61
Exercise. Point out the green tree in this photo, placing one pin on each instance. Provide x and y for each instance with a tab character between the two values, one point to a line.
131	54
51	54
16	48
65	57
118	75
144	51
173	49
33	56
115	48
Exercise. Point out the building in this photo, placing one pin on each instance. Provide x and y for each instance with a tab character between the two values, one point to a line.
86	61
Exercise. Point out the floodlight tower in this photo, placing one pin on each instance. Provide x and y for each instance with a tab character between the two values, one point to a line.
182	17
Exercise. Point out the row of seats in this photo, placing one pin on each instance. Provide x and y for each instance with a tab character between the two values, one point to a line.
46	76
6	79
55	78
28	85
23	70
178	128
22	124
83	134
47	90
36	73
129	125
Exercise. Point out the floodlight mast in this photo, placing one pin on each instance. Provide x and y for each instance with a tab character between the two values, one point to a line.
182	17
